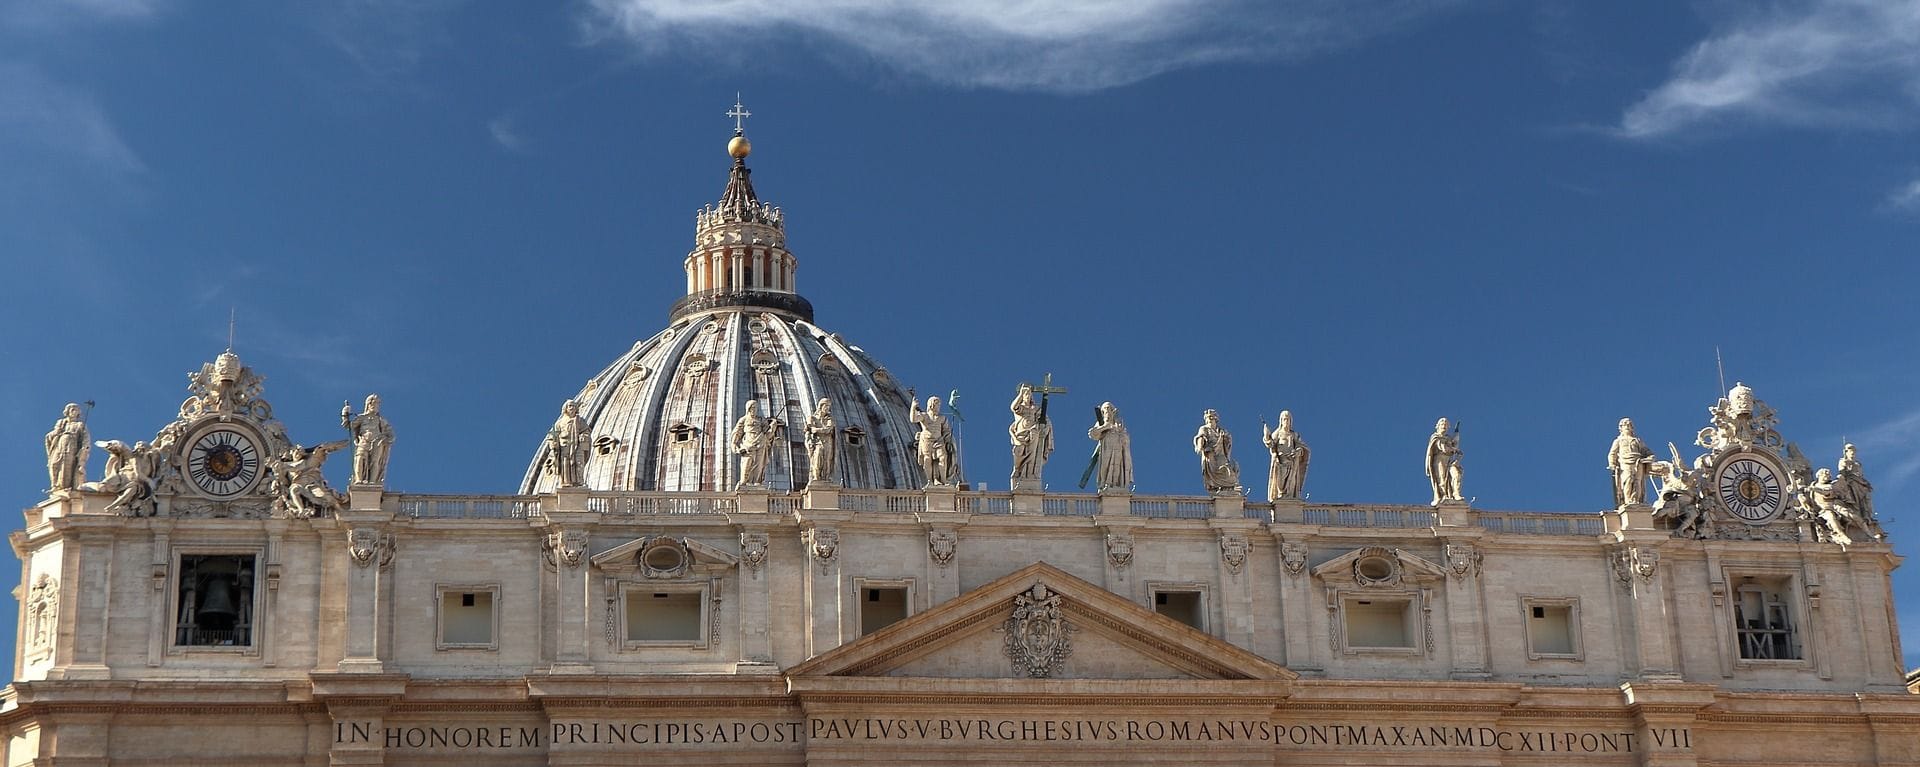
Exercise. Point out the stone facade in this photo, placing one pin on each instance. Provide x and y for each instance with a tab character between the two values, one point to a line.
217	603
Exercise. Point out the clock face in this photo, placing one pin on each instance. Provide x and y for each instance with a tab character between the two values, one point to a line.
223	463
1750	488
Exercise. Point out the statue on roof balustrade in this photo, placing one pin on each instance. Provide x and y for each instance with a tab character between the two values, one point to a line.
1443	463
569	443
1218	471
753	438
934	444
1113	451
822	445
372	438
1629	459
1031	436
1288	455
66	445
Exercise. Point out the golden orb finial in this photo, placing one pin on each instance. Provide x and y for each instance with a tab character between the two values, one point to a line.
739	147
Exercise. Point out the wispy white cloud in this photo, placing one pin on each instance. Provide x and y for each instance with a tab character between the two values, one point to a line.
387	39
1849	63
503	132
40	15
1895	445
39	116
1048	45
1905	199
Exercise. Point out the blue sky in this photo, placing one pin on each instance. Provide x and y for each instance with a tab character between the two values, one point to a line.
1533	217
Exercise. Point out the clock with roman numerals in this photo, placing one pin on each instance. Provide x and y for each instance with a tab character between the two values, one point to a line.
223	462
1749	485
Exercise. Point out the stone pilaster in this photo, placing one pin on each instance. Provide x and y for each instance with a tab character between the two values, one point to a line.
86	577
1665	716
821	580
357	706
1116	533
1642	578
756	606
369	557
1234	572
1295	590
568	548
1466	605
943	559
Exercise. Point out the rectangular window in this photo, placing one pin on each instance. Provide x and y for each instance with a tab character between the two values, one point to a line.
1763	618
669	616
1184	606
881	607
1553	627
467	617
1379	623
215	601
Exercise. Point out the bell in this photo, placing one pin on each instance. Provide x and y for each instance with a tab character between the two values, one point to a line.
217	606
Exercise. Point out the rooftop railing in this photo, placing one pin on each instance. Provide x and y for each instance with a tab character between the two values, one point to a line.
468	507
654	503
1355	515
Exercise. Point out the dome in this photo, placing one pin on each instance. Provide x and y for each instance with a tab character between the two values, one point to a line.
661	416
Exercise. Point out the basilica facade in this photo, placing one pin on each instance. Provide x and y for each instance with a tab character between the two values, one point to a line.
743	542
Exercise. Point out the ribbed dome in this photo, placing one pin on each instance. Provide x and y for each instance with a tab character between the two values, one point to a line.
662	415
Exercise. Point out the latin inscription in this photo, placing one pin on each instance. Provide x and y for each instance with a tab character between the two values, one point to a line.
1285	735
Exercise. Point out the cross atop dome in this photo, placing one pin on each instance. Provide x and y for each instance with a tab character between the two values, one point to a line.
739	114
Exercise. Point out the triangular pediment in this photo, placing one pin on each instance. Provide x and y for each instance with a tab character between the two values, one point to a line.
662	557
1106	636
1379	567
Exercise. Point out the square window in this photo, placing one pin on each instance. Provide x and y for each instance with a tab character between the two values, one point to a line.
1379	623
1187	607
1552	627
468	619
214	601
663	615
1763	618
881	606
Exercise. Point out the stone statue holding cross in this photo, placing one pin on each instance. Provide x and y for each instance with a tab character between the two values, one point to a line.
1031	434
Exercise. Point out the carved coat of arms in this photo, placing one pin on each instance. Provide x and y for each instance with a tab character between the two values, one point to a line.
1037	633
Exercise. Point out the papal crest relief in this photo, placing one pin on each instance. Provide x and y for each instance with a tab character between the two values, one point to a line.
1037	634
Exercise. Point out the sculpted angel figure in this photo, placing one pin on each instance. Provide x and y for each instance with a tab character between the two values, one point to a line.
1852	484
1032	437
372	438
1680	496
1287	469
130	477
1215	447
1113	454
934	444
1824	499
752	439
306	493
1443	463
67	449
568	445
1629	459
822	442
